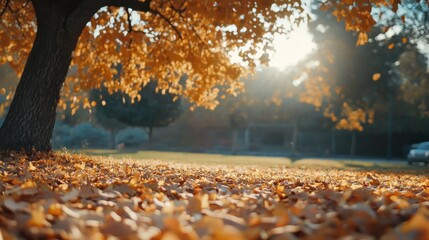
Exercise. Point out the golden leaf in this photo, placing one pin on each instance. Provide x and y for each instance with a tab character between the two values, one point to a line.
362	39
31	167
376	76
29	187
55	209
38	218
418	222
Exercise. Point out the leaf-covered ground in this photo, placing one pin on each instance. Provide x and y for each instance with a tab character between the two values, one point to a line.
63	196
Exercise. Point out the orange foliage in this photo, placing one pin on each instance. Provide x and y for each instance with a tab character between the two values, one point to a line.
353	119
357	14
189	37
376	76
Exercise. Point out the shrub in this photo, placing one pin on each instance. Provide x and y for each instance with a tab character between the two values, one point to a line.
83	135
132	137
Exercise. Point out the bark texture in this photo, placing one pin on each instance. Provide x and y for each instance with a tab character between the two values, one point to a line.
31	117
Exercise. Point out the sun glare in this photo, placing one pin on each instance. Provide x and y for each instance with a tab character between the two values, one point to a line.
288	51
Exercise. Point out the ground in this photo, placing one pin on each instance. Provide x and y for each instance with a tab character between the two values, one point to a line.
198	196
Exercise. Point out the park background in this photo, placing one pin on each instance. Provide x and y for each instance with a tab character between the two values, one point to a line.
324	96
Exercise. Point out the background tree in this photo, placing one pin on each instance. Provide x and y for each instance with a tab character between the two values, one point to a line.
413	20
112	125
340	79
153	109
343	83
414	70
158	39
8	81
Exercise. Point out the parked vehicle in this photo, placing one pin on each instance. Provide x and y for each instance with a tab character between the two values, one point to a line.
419	152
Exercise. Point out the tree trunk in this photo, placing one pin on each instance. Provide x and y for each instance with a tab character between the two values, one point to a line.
294	145
333	141
353	145
390	123
247	137
113	134
31	117
234	144
150	134
149	140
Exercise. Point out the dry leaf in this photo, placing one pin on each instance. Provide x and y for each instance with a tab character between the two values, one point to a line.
376	76
172	201
38	218
31	167
13	206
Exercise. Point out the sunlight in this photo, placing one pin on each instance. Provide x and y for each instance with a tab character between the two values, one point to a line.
290	51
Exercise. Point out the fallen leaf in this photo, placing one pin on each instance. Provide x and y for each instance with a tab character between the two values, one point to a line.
13	206
376	76
38	218
71	195
31	167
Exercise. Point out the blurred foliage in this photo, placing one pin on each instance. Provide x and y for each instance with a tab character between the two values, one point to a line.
351	83
414	72
132	137
8	81
83	135
151	109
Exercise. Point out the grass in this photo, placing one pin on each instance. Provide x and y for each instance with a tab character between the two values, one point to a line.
240	160
193	158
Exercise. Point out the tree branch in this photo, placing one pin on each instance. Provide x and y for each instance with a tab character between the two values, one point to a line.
168	21
142	7
87	8
181	8
4	8
136	5
195	32
14	12
78	19
199	37
130	25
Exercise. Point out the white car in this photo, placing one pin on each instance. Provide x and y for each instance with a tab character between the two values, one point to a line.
419	153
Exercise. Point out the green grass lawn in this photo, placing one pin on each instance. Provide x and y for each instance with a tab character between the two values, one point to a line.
240	160
193	158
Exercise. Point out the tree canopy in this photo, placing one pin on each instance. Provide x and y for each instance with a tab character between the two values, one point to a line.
160	39
413	70
166	39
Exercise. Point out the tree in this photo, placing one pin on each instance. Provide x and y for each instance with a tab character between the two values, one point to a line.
159	39
414	71
343	83
154	109
340	79
108	123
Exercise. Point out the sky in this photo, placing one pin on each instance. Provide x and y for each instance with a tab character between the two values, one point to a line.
288	49
293	49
